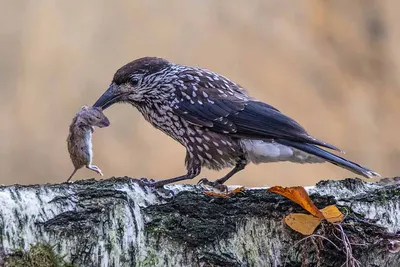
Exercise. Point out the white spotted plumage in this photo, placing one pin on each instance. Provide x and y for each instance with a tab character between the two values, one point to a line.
211	116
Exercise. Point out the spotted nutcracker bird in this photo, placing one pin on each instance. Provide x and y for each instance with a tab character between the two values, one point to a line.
215	119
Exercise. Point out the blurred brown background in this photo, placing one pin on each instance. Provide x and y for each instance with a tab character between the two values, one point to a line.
331	65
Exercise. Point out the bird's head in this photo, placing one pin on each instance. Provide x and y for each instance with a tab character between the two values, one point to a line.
133	82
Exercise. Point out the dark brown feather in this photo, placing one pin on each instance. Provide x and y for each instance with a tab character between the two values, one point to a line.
225	107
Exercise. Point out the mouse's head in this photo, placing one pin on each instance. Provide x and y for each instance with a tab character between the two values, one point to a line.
93	116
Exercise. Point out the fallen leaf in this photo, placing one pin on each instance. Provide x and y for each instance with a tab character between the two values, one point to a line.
233	192
302	223
214	194
299	195
332	214
306	223
237	190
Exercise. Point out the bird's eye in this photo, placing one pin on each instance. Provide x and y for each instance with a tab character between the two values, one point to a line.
134	81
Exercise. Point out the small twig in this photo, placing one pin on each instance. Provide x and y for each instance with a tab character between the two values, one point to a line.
320	236
338	238
317	252
350	260
308	237
353	244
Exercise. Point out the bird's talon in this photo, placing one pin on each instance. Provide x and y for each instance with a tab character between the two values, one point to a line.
218	186
147	180
144	182
151	183
221	187
203	181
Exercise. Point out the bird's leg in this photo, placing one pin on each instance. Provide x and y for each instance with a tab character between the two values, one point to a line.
219	183
192	173
72	174
94	168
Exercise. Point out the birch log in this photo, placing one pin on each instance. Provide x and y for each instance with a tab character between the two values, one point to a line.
116	222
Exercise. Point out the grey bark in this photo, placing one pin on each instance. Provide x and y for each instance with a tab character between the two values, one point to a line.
116	222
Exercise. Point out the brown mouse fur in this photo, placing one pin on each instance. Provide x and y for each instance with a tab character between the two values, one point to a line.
80	137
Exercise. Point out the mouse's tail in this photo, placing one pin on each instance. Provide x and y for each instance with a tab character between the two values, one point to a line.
72	174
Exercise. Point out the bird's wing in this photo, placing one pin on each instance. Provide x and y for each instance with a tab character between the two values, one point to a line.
223	107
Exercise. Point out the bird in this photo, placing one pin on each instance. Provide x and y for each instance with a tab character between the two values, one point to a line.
218	122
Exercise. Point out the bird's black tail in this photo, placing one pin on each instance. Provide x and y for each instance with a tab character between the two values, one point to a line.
332	158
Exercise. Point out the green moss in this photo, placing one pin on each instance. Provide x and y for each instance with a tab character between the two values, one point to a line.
39	255
150	260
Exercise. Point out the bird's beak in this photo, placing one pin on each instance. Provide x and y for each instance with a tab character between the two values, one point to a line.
107	98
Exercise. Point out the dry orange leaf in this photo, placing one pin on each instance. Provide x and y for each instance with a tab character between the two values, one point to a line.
302	223
305	223
237	190
233	192
332	214
299	195
214	194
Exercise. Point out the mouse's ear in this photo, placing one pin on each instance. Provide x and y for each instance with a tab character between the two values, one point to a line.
84	108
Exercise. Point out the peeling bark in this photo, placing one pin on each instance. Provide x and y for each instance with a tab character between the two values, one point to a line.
116	222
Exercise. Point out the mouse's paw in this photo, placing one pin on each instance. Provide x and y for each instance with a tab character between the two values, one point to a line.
95	168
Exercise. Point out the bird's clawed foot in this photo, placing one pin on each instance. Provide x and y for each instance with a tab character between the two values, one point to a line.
151	183
145	182
216	185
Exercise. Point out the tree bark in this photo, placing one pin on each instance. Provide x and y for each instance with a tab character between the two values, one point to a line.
116	222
